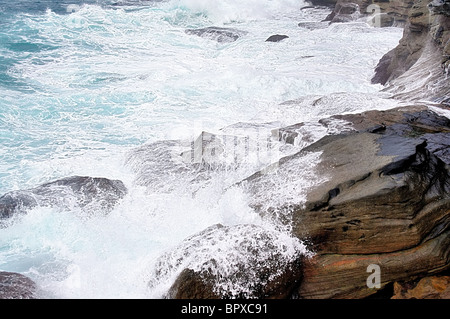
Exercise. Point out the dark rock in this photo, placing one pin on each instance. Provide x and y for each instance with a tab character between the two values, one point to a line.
382	70
344	12
16	286
414	122
276	38
432	287
191	284
241	261
409	179
17	201
325	3
221	35
85	192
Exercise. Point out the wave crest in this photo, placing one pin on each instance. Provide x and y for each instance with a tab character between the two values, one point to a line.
238	11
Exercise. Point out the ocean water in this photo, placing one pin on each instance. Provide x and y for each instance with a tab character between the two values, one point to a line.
118	89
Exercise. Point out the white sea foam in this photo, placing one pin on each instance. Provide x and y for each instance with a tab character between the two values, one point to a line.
223	254
240	11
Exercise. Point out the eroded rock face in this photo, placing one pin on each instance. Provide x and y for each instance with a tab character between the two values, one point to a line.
99	194
410	48
412	121
16	286
418	67
331	276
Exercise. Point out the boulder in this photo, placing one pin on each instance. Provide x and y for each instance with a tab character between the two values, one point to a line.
240	261
412	121
277	38
187	165
221	35
100	194
430	287
16	286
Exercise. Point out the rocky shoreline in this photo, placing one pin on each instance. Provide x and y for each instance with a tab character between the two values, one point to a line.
383	202
386	201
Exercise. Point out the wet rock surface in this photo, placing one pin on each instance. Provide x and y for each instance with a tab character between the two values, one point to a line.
89	193
240	261
219	34
16	286
277	38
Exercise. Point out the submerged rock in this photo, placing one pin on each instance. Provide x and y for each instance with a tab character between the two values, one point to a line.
16	286
344	12
277	38
221	35
241	261
187	165
88	193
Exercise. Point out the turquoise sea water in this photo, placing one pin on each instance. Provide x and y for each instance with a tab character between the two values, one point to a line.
84	83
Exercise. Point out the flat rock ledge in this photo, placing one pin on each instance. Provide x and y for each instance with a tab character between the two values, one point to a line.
384	202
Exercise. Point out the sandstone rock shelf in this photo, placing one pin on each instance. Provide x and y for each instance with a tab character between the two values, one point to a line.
384	200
